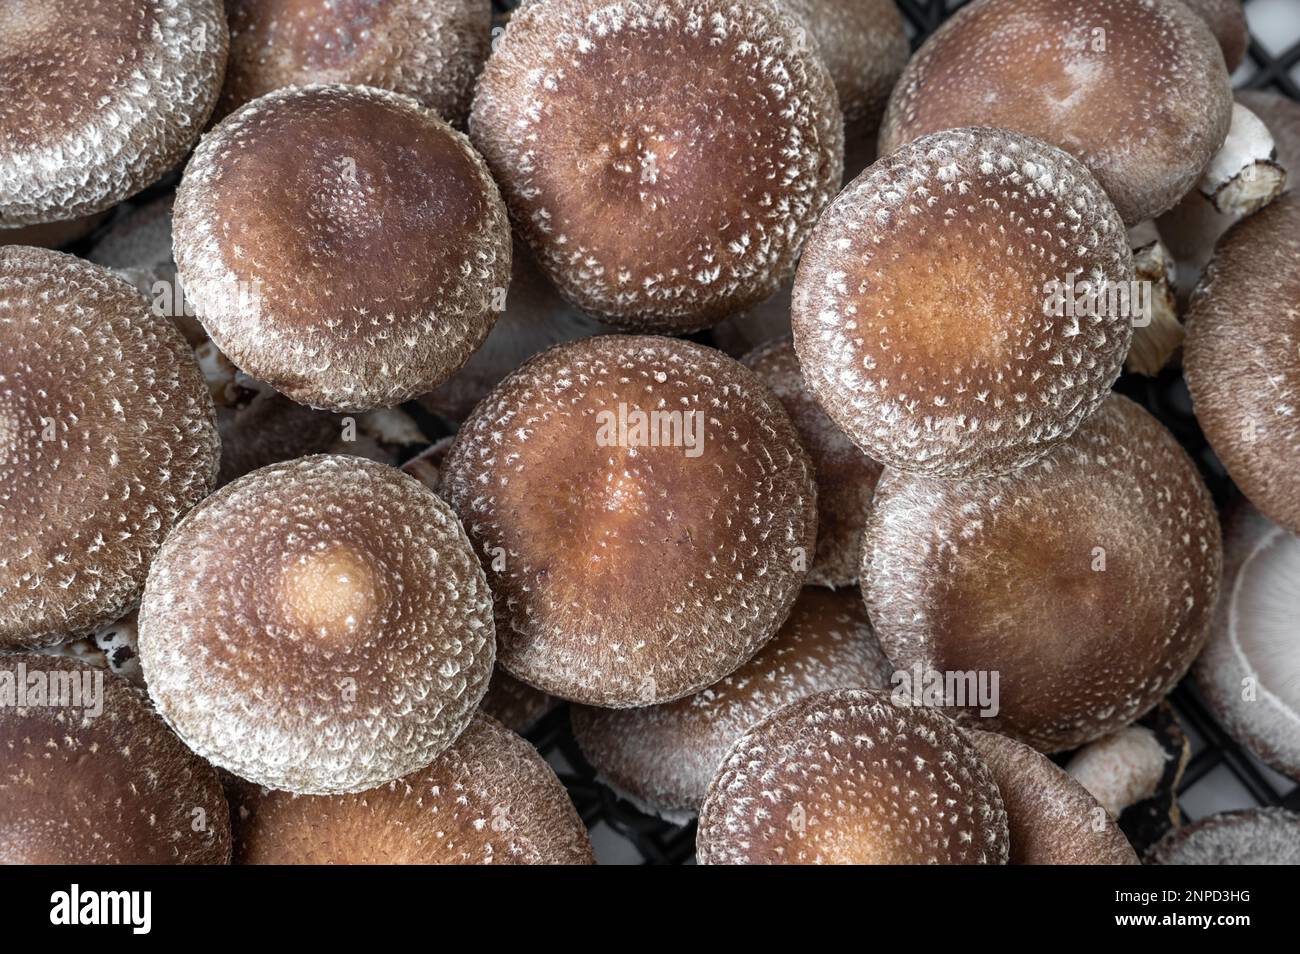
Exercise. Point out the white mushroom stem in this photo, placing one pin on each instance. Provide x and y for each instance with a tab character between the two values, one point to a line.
1121	769
1153	264
1244	175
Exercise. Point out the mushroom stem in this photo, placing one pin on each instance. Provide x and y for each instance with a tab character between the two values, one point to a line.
1244	175
1155	342
1120	769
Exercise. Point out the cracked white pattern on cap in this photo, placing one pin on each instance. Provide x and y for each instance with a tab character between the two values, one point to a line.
1135	89
627	574
1087	581
318	626
847	777
653	200
488	799
1242	357
1257	836
430	50
342	244
846	477
99	98
924	306
1053	819
113	788
1249	672
107	438
663	757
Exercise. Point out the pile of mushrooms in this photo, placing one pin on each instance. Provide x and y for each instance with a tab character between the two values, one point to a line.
414	377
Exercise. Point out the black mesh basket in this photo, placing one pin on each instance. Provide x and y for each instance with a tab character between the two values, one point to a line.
1208	772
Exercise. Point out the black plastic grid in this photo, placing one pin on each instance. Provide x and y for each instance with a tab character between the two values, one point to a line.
660	842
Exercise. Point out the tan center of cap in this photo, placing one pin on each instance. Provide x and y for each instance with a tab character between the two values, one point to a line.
330	593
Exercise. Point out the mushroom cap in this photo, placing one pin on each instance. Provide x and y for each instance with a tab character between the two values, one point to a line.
1227	21
516	705
1249	672
107	437
848	777
628	574
426	467
535	317
651	199
1087	581
319	626
80	786
53	234
1135	89
488	799
271	429
1052	818
99	98
342	244
430	51
1242	357
1257	836
846	477
864	46
665	756
924	309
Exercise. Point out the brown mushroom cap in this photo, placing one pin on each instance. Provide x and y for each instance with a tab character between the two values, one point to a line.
1052	818
1257	836
342	244
924	314
99	98
430	51
1136	89
107	437
271	429
535	317
319	626
864	46
1227	21
489	799
81	786
1249	672
847	777
53	234
1087	581
1242	357
652	199
516	705
663	757
426	467
627	574
846	477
